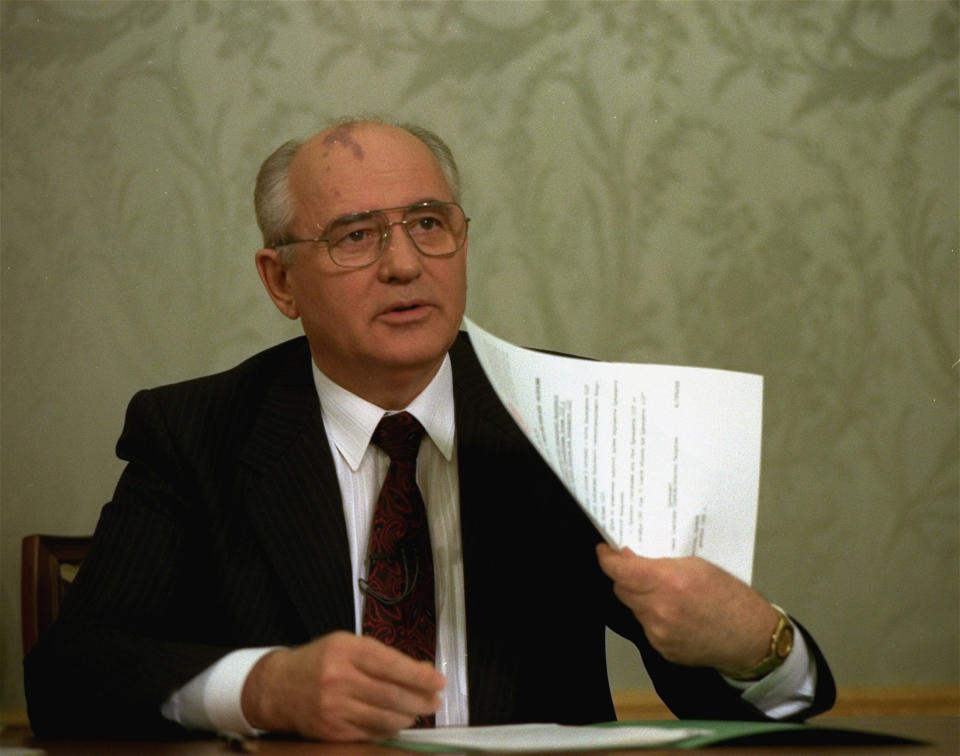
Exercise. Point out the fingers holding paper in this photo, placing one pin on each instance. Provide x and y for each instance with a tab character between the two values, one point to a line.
692	612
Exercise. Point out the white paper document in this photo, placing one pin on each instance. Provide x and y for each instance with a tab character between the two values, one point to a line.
546	737
663	459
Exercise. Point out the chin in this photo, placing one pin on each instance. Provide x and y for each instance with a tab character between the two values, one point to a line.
418	352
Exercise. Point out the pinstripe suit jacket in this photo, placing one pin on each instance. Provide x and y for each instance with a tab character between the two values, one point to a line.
226	530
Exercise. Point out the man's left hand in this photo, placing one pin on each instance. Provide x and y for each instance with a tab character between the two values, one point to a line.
693	612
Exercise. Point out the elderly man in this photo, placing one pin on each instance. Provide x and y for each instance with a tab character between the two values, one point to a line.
347	535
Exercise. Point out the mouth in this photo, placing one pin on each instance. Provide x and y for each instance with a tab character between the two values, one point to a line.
404	306
405	312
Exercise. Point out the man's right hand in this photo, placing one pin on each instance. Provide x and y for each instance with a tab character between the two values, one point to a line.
340	687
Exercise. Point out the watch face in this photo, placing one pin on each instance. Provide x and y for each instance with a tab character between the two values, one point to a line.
785	642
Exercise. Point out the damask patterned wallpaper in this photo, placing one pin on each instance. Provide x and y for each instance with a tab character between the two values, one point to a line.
762	186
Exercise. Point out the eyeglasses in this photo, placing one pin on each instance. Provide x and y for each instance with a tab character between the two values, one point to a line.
437	229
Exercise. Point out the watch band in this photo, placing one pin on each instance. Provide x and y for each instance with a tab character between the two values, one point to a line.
781	644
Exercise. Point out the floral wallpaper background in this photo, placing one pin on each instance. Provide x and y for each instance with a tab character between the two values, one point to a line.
761	186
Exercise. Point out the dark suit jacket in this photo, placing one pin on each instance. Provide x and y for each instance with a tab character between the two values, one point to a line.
226	530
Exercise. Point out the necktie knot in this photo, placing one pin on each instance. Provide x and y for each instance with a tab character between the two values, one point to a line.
399	436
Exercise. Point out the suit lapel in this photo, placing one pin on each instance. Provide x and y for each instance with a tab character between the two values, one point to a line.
484	434
292	497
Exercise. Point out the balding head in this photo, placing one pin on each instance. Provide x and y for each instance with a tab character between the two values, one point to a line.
273	201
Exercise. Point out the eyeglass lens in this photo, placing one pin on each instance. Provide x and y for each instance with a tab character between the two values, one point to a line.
436	229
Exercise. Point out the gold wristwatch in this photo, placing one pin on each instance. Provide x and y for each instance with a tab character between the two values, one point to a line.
781	644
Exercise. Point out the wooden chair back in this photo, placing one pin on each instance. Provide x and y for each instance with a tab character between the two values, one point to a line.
48	566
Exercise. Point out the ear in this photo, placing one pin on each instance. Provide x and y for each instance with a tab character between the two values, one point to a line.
276	279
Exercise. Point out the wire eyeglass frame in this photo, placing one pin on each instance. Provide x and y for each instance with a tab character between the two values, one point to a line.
386	228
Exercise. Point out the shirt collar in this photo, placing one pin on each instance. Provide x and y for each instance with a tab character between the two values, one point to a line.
351	420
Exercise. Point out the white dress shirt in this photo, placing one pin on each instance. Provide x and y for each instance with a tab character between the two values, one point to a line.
361	469
211	700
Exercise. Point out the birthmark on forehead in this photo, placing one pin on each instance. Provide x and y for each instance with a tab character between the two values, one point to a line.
343	135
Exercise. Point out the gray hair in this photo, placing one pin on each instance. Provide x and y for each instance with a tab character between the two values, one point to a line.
273	202
271	195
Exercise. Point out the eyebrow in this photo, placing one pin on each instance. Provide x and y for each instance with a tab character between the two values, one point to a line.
351	217
364	214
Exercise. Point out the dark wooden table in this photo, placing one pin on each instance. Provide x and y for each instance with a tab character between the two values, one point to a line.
941	733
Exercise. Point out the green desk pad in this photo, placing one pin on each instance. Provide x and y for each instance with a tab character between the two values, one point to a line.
722	734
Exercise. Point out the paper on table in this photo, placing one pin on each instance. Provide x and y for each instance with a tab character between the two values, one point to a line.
684	734
663	459
544	737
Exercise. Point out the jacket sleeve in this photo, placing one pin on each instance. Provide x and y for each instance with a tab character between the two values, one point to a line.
120	645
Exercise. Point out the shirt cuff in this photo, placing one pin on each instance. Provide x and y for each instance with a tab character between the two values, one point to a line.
787	690
211	700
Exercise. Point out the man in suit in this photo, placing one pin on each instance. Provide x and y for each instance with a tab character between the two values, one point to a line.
227	583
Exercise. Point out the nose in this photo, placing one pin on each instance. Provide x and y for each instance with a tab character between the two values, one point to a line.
401	260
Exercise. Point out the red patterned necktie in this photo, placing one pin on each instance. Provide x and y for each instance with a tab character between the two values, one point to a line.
399	605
